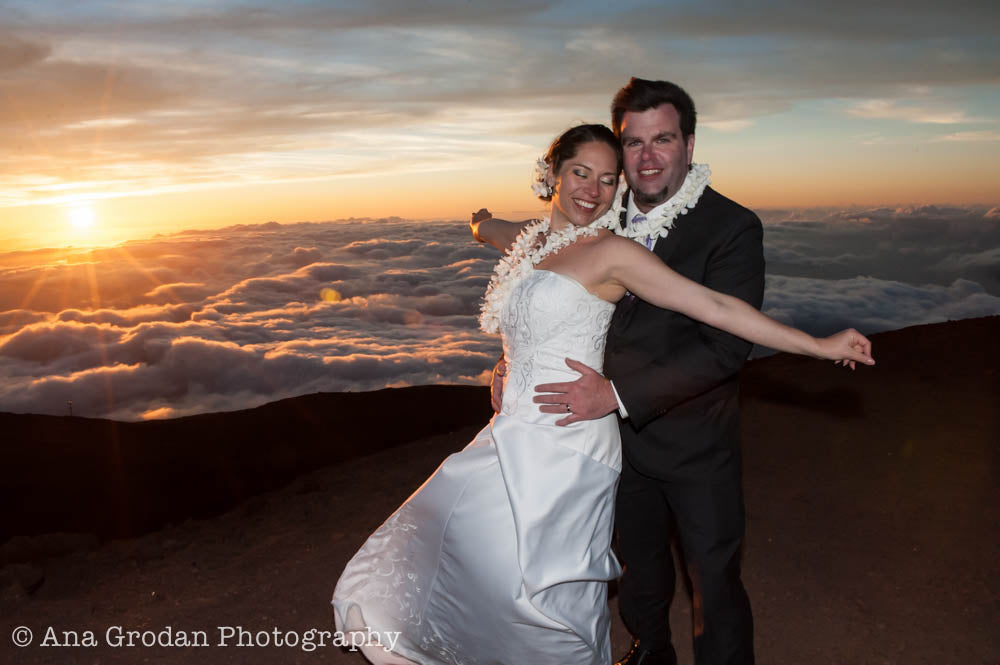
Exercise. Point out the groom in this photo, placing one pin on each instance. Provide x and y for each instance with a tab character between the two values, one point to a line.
674	383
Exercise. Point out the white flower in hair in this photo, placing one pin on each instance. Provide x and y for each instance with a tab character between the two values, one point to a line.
539	182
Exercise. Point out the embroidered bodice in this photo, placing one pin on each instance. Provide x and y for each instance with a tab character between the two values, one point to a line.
547	318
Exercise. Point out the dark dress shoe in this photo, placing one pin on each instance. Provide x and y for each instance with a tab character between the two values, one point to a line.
639	656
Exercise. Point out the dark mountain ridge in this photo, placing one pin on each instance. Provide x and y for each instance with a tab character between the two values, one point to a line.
114	479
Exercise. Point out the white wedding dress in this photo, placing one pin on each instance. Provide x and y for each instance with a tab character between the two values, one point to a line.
503	555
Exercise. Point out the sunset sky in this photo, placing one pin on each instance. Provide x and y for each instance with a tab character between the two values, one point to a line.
123	119
175	176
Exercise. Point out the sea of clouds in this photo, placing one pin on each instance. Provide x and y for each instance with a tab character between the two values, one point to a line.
237	317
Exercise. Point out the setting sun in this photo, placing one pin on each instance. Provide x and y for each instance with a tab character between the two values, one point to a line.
82	217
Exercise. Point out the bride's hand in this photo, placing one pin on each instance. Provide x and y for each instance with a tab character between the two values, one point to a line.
479	216
847	348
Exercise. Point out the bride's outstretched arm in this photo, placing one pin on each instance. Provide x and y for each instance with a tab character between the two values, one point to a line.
641	272
496	232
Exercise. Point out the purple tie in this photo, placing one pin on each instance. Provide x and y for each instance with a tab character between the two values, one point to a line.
639	219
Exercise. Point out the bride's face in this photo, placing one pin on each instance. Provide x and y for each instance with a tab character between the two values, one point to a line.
585	185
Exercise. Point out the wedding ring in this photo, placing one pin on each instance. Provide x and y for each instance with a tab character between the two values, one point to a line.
568	410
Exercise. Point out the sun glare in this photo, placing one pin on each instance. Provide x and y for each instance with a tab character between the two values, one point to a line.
82	217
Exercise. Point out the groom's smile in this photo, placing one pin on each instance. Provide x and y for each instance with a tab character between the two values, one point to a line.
657	154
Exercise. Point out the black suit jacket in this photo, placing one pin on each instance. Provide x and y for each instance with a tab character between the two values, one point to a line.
676	377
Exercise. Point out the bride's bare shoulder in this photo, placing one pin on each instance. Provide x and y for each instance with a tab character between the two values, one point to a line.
610	251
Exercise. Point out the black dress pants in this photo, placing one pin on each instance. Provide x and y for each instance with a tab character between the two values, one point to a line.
706	508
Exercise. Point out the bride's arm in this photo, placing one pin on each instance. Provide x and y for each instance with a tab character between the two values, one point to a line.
641	272
496	232
500	234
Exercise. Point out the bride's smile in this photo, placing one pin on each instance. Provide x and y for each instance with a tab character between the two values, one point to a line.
585	185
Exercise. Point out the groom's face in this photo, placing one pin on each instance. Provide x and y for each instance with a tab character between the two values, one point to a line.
657	155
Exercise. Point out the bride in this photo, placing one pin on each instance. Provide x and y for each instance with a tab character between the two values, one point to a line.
503	555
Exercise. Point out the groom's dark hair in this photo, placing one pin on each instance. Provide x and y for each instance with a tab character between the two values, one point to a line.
641	95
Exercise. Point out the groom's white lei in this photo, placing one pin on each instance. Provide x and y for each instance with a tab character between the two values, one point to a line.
526	252
662	220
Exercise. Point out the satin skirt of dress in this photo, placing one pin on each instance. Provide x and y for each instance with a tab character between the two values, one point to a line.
501	557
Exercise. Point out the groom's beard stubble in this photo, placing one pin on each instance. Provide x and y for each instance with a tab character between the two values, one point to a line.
655	199
651	200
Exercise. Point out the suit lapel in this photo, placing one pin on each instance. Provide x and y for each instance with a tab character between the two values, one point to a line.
623	311
665	247
624	213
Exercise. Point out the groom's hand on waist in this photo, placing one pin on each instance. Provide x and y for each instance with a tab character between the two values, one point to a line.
497	383
588	398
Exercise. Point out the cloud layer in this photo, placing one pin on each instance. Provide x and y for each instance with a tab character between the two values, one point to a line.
227	319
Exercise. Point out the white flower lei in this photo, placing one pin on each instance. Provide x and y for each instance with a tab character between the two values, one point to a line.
521	259
660	223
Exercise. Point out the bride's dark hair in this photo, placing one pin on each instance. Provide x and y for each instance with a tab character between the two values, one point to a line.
568	144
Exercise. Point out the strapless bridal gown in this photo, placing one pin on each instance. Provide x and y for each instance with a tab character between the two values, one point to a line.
503	555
